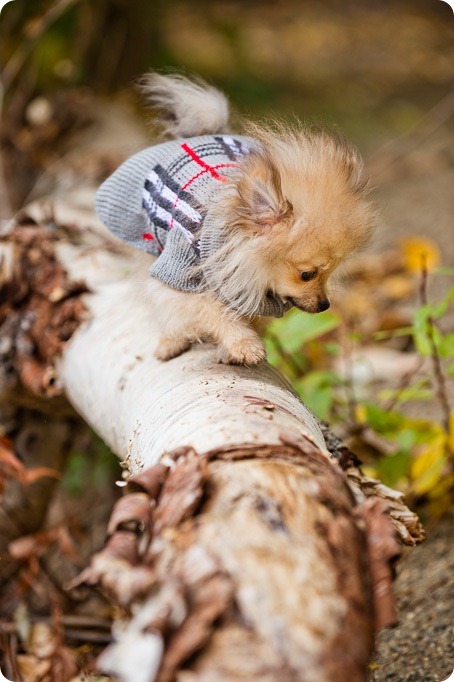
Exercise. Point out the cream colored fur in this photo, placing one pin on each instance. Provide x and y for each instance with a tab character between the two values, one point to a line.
186	318
291	213
187	107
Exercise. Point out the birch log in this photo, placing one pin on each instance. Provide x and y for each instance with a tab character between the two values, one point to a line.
242	551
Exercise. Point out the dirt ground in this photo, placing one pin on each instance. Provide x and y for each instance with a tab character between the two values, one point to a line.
421	648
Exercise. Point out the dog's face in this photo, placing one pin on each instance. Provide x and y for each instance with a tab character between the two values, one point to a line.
305	249
293	211
307	205
303	281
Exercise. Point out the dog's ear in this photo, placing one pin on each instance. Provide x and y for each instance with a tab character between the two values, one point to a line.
268	208
262	194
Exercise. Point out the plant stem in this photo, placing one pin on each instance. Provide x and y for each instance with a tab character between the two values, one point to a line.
439	376
288	357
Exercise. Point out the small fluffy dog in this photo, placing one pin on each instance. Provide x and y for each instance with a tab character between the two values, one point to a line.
243	227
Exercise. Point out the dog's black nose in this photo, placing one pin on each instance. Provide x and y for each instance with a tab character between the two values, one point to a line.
323	305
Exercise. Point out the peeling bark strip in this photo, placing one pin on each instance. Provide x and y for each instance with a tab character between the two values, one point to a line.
288	599
40	309
405	522
384	550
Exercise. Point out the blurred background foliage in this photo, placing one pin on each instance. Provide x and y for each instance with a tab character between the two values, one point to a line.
375	69
371	67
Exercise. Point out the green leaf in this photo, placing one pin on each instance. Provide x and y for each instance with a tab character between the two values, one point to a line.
444	270
419	390
421	338
423	328
383	421
392	468
385	334
297	328
316	390
97	466
407	438
333	348
75	472
290	364
439	309
273	355
445	345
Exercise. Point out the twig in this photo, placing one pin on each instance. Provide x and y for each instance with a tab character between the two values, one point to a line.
288	357
40	26
440	379
6	211
425	126
352	404
405	382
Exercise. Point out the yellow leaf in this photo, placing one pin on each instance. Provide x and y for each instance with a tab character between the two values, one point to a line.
451	433
419	252
444	485
428	465
369	471
360	414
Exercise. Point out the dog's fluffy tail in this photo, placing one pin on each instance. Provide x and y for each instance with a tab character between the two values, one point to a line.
186	107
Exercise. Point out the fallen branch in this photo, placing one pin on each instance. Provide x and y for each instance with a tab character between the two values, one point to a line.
244	550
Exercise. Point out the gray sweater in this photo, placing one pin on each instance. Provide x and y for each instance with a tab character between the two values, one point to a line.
159	199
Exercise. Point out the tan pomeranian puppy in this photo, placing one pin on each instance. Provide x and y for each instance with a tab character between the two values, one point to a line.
242	227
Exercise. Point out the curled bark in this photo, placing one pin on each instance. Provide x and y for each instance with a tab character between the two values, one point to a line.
383	550
268	547
39	307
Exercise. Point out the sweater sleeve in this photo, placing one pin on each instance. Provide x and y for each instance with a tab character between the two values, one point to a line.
178	264
119	201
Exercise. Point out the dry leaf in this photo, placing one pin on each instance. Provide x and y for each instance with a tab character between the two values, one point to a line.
420	252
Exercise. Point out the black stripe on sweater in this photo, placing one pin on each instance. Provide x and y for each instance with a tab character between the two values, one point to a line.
174	211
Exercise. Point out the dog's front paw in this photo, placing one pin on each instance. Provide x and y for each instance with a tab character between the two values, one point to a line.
243	352
169	348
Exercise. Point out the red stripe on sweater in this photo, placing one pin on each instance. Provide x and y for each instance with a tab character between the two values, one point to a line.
206	169
198	160
149	237
203	164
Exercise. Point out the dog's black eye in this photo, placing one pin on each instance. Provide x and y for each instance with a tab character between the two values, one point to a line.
308	275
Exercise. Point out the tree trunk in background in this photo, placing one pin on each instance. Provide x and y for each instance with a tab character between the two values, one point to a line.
118	40
242	549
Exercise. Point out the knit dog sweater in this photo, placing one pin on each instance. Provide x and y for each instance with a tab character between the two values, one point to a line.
159	199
